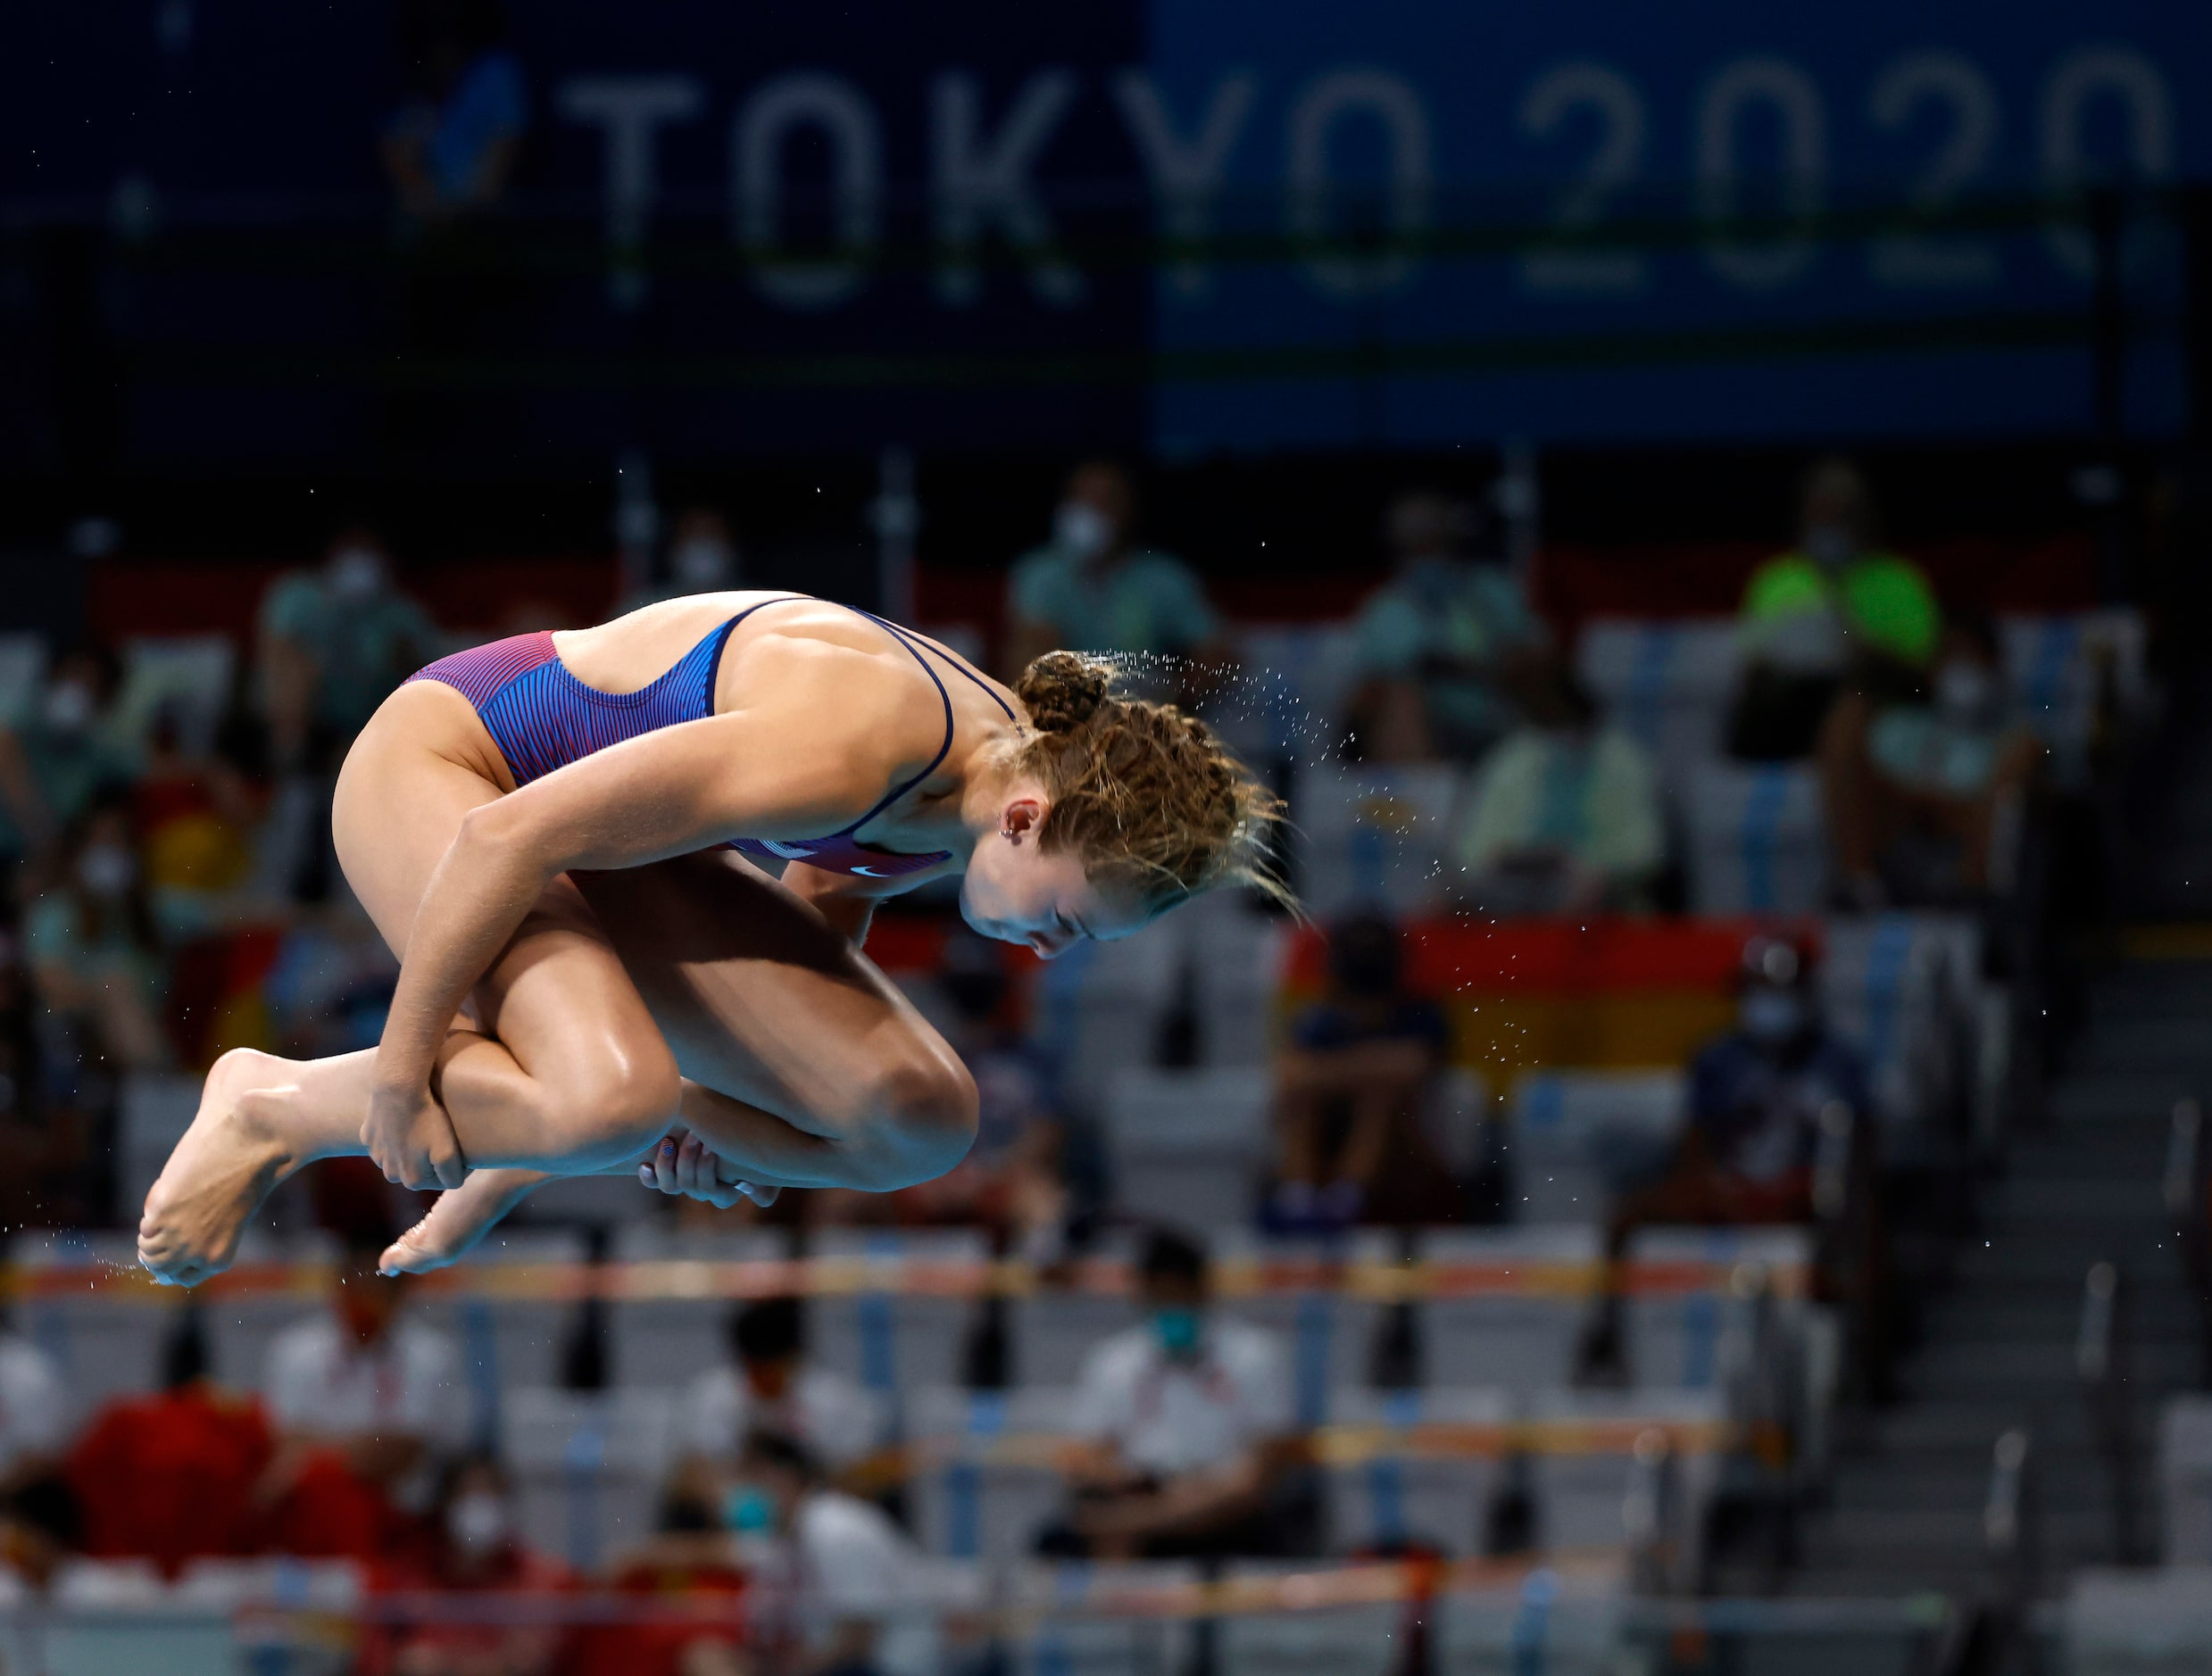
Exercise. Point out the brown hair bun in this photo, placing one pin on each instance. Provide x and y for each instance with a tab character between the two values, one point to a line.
1145	794
1064	690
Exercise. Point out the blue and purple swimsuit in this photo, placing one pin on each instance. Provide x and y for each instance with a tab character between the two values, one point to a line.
542	718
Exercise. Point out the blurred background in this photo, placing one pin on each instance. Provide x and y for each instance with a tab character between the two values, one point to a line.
1704	515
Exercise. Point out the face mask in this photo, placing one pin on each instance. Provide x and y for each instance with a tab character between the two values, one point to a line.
1963	689
702	564
1771	1016
68	707
477	1522
749	1511
106	869
1830	546
356	574
1082	529
1177	1327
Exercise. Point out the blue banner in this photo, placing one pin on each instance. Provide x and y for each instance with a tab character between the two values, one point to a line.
1229	225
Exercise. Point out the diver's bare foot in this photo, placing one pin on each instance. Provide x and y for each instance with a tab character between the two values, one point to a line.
462	1216
220	1173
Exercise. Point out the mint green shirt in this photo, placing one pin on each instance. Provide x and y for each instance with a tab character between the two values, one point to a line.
1143	601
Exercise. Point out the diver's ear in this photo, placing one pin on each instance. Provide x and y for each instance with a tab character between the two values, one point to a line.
1022	817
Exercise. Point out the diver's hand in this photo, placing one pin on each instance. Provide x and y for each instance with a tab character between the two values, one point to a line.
688	1169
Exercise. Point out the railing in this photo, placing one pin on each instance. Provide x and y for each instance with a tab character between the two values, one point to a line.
2102	1358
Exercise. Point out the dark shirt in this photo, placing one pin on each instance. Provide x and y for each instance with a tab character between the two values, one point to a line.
1759	1109
1327	1027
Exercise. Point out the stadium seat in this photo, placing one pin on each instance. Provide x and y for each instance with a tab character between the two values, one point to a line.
117	1618
152	1117
1396	1491
1334	1640
510	1332
243	1327
987	1481
1375	837
1562	1623
587	1468
2065	672
1051	1329
1188	1147
189	677
2136	1622
1905	988
1295	1288
1100	1008
81	1300
294	1585
2185	1480
1577	1135
1583	1464
1236	981
1686	1323
1506	1305
894	1306
1086	1619
668	1341
1756	840
1667	681
22	668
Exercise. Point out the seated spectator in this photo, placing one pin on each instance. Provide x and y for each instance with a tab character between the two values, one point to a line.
171	1477
1745	1158
1009	1182
473	1543
195	818
451	149
701	559
1564	816
769	1384
1433	640
692	1562
333	643
1349	1089
1837	610
365	1402
1092	589
90	942
1188	1429
846	1571
71	750
1921	793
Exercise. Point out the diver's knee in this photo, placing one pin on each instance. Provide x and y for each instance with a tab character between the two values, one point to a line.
923	1108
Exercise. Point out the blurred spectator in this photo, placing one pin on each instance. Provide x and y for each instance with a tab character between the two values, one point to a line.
334	642
170	1477
473	1544
845	1569
1091	589
451	149
1922	795
1564	816
1009	1182
196	816
769	1384
691	1563
90	941
1348	1090
1432	639
1187	1426
1746	1156
365	1401
71	748
1835	608
702	558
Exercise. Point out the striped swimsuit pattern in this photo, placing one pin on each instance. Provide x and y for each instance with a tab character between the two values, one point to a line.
542	718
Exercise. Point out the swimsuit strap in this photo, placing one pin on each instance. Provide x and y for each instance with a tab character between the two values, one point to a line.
915	647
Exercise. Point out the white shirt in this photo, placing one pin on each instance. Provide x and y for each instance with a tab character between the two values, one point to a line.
1166	1416
324	1382
34	1409
829	1413
853	1562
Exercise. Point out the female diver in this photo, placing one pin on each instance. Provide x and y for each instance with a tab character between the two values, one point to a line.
551	832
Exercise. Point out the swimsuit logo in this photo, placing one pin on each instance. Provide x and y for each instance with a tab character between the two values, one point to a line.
870	873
